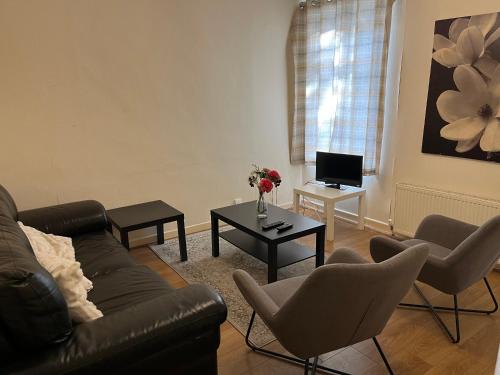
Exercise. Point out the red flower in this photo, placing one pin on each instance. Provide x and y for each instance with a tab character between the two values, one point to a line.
274	175
265	185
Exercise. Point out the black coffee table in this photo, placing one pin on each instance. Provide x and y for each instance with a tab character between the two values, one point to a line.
148	214
275	249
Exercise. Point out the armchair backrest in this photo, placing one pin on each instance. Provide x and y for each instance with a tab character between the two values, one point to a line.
474	258
341	304
444	231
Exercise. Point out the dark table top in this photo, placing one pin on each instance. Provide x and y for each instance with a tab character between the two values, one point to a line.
142	214
245	215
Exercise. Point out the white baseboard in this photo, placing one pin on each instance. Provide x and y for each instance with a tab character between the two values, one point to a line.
169	234
376	225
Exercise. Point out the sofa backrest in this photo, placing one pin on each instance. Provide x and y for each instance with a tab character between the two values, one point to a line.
33	312
7	205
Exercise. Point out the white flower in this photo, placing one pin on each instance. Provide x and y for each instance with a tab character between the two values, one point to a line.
473	112
468	42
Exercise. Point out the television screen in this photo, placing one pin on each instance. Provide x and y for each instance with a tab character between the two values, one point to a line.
339	169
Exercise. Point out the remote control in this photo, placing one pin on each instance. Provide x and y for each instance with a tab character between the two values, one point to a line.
272	225
284	227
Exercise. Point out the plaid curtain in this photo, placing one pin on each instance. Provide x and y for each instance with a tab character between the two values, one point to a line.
340	57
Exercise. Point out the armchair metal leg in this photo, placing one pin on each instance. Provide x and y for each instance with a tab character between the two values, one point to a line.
455	309
315	366
307	365
383	356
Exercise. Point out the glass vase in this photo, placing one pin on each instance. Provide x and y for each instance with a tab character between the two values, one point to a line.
261	206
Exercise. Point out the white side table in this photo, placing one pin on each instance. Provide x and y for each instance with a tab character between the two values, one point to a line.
330	196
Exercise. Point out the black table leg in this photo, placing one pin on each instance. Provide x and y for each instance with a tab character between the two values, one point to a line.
320	247
160	234
124	239
181	231
272	262
215	234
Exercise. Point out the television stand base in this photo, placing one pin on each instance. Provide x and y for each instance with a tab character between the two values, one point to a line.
335	186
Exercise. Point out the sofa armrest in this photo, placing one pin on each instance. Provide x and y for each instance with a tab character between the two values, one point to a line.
68	219
122	338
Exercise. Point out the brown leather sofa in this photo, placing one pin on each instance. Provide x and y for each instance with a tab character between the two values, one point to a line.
147	327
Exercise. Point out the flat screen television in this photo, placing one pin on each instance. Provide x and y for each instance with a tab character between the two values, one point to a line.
339	169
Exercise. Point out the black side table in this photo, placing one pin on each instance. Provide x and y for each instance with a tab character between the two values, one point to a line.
144	215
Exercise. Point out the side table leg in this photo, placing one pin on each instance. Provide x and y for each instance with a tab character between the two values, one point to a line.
215	234
330	221
160	234
272	262
124	239
296	201
361	211
181	232
320	247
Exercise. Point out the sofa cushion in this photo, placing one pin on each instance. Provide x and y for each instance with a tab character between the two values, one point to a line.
7	205
6	348
32	308
127	287
100	253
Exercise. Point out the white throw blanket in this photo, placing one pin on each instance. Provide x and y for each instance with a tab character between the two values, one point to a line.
57	255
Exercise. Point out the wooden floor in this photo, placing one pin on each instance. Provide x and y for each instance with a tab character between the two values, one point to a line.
412	341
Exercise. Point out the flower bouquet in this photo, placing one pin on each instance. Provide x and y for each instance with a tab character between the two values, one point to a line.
265	179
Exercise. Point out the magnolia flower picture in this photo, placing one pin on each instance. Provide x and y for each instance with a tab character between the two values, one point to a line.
463	104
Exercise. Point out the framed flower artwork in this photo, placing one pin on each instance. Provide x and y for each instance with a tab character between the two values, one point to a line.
463	104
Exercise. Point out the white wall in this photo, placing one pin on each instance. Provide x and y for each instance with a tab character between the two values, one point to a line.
126	101
455	174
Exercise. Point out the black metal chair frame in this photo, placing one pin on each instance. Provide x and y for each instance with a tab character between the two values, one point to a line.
433	309
306	363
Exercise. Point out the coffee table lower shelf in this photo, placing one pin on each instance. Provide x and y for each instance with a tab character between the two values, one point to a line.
288	252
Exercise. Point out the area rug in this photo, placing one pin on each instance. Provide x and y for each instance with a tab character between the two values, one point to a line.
201	267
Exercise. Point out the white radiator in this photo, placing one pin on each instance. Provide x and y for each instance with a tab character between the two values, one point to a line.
412	203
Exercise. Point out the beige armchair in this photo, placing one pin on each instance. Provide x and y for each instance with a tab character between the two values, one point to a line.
460	255
346	301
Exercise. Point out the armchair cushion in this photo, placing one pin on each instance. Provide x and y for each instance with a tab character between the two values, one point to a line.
280	291
434	249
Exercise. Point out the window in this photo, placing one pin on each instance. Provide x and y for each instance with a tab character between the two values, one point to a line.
340	50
